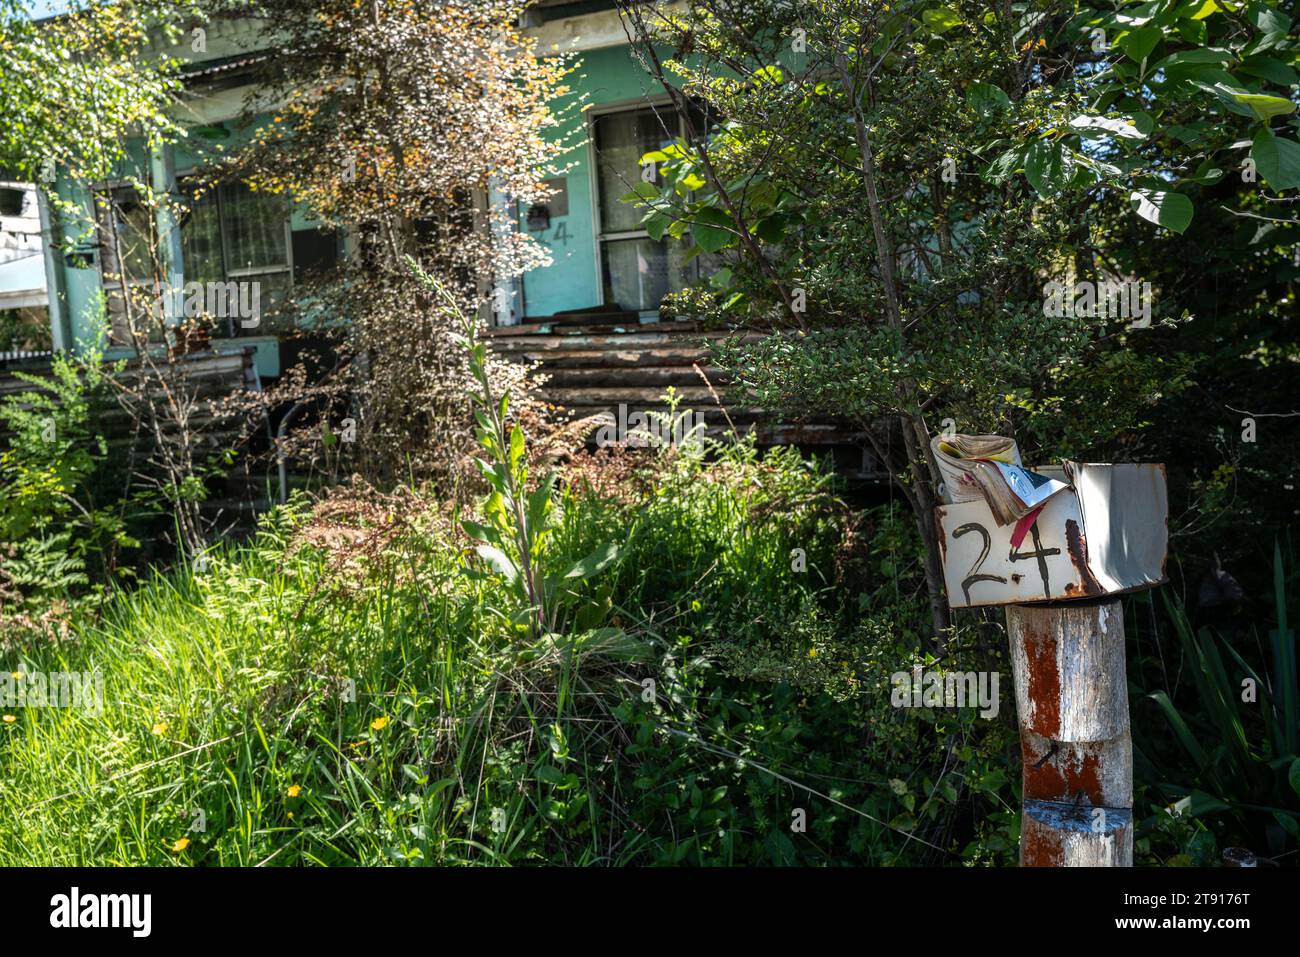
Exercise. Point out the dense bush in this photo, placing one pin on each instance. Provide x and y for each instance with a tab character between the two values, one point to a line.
351	687
62	526
357	685
1216	729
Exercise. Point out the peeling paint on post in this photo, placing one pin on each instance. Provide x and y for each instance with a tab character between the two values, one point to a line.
1072	708
1108	535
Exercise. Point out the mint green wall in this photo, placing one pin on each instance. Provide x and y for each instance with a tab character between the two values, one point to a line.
611	75
80	286
602	77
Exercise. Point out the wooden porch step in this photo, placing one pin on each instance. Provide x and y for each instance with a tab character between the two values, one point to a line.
585	397
680	377
535	328
603	343
592	370
685	355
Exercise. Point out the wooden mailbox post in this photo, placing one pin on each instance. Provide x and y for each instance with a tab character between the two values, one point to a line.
1105	536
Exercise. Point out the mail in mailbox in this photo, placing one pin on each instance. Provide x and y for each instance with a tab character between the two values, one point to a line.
1107	534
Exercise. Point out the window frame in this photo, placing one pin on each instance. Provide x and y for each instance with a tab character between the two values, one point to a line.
233	275
104	217
599	236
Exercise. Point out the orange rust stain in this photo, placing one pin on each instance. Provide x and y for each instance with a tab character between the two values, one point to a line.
1077	546
1044	684
1040	847
1044	782
1086	779
1059	778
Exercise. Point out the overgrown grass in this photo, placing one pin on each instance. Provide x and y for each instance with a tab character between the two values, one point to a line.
301	729
356	687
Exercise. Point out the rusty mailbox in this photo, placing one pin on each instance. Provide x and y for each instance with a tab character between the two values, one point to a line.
1106	534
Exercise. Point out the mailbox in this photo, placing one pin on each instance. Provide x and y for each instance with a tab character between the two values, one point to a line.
1105	535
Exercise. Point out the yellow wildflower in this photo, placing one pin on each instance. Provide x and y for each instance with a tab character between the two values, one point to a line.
160	727
180	845
9	719
379	724
295	790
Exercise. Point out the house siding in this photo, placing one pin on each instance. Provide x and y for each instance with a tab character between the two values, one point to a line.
572	281
604	75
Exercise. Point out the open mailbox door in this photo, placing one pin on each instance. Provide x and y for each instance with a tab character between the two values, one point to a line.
1106	535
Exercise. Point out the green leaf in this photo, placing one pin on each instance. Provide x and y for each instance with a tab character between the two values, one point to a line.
1277	159
640	192
499	561
1199	804
539	502
1268	19
1048	167
1268	68
1263	106
1094	126
594	563
1288	822
1293	776
481	532
1193	31
657	224
1005	165
1138	44
986	99
489	472
1163	207
771	229
711	229
549	774
1190	135
516	446
1207	174
1203	56
941	20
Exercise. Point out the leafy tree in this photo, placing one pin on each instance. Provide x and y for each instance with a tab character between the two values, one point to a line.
390	119
1223	134
74	88
894	184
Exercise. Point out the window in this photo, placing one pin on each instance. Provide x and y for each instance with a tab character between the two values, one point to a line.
12	201
126	231
126	254
636	271
228	234
232	234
